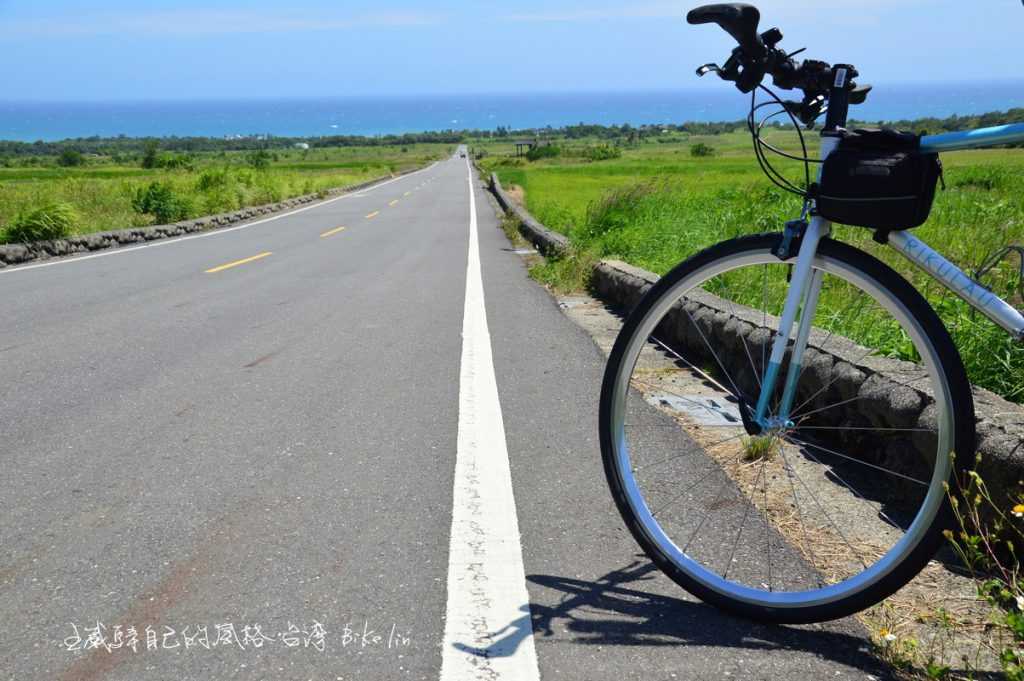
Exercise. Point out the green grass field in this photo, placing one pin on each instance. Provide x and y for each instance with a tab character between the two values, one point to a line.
101	192
657	204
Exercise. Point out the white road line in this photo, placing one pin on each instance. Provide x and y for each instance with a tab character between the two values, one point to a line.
213	232
488	631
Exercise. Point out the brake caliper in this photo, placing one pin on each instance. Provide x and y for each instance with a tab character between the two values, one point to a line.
791	238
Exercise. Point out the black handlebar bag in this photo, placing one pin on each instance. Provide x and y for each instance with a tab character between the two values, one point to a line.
878	179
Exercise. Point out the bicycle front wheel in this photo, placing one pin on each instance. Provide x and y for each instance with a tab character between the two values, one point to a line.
807	521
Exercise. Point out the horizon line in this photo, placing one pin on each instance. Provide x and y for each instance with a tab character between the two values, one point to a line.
688	89
442	131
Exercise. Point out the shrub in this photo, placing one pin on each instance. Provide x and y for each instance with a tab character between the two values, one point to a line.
161	201
70	158
618	209
213	178
701	150
987	540
172	161
602	152
986	178
543	151
52	221
217	191
149	154
259	159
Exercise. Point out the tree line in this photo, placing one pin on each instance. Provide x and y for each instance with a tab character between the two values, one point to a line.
134	146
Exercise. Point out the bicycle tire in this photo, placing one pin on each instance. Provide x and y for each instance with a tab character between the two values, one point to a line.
952	376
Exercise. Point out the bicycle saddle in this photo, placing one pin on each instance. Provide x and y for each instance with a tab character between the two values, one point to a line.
738	19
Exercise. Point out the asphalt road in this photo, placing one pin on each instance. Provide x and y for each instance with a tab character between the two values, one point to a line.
234	457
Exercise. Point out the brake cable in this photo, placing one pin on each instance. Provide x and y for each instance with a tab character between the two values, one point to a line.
769	170
989	263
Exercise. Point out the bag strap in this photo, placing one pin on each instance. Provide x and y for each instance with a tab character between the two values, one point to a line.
880	139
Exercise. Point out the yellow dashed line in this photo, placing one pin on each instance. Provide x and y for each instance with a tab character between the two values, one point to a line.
331	232
236	263
393	202
373	214
406	194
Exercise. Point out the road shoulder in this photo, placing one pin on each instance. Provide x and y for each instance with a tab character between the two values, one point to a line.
600	609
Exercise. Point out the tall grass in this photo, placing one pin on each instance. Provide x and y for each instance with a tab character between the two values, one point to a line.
50	221
106	195
654	208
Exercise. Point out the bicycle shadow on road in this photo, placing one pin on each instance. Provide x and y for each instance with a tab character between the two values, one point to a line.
605	612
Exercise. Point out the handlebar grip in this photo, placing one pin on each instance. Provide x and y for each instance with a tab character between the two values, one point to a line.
738	19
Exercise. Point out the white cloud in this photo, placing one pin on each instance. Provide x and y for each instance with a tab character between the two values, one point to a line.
214	22
840	10
590	13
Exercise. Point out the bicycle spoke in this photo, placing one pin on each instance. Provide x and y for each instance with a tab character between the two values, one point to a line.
767	528
825	520
674	394
746	348
799	513
832	381
856	460
797	415
693	366
746	512
713	353
654	514
652	425
764	319
842	314
845	484
884	430
707	513
831	522
679	456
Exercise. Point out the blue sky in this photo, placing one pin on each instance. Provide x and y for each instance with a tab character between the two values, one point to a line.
115	49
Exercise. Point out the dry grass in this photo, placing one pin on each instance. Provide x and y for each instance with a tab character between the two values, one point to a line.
934	627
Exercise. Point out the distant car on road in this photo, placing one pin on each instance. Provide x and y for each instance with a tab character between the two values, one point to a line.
462	154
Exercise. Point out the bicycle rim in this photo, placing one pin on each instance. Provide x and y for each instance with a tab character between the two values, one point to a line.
799	519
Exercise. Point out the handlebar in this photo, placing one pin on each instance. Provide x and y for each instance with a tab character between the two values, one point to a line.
738	19
758	56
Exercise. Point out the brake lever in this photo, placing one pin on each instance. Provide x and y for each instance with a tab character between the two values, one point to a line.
859	94
806	111
729	71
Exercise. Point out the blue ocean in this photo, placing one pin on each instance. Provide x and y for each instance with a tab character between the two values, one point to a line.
712	101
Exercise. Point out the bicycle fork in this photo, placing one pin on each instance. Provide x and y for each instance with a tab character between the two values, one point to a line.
802	299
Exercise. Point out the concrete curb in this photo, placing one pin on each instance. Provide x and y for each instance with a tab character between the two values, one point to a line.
842	371
16	254
544	240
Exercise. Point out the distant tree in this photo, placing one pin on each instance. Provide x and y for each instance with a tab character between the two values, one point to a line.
169	161
162	202
700	150
70	158
149	154
259	159
543	151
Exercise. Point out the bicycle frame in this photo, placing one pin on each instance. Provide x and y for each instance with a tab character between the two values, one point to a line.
805	283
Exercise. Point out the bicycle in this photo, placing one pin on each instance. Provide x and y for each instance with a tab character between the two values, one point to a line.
811	490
